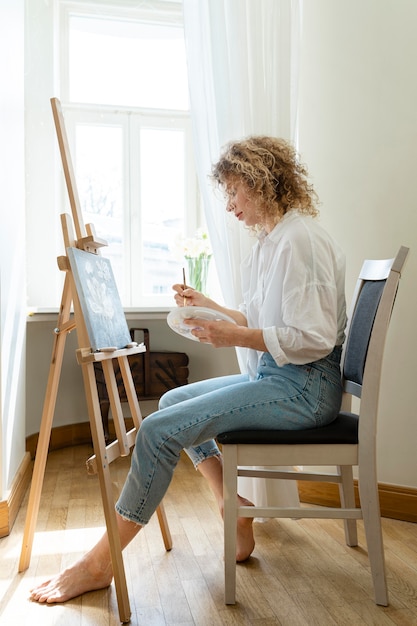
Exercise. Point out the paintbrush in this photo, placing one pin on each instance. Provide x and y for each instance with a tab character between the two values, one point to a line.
184	286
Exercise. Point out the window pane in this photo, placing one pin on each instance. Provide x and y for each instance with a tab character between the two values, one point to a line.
99	173
162	199
127	63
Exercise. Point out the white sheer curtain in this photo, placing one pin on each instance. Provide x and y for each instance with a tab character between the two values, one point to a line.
242	58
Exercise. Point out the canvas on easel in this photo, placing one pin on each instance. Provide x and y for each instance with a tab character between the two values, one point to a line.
99	299
103	336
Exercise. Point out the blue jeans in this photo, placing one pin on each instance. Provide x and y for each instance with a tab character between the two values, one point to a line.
292	397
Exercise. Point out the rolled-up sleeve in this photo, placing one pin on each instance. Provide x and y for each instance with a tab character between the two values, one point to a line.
270	336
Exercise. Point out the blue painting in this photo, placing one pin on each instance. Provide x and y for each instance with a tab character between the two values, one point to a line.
99	299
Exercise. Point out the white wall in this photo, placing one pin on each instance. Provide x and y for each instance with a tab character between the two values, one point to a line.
358	135
12	244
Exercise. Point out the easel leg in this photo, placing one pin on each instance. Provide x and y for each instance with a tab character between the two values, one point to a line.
137	420
45	431
103	470
163	523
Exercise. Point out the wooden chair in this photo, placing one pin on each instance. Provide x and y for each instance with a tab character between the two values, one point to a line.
349	441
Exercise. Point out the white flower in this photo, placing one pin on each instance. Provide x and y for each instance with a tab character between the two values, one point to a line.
192	247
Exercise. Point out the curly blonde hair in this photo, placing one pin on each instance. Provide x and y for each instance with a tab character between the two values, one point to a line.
271	173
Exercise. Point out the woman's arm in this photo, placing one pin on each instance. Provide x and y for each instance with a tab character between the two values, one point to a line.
225	334
218	332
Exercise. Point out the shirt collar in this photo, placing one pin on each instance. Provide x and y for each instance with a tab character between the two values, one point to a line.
275	232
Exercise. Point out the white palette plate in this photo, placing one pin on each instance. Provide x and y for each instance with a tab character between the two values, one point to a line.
176	316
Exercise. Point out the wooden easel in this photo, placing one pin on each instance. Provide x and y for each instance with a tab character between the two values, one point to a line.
85	239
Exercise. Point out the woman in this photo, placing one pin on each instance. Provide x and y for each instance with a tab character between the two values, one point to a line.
292	320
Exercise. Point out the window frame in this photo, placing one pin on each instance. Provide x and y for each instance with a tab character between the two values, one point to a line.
131	119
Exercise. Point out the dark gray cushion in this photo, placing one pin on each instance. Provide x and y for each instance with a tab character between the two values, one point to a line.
344	429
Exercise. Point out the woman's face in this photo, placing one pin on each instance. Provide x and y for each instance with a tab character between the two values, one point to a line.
241	205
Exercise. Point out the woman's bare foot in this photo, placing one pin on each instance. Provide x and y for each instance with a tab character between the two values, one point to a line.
93	571
245	539
81	577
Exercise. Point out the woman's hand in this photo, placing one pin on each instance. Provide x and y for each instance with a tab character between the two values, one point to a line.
190	297
219	333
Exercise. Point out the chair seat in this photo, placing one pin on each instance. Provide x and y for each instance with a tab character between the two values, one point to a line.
343	430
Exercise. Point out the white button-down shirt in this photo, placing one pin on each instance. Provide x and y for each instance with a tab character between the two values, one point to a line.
294	290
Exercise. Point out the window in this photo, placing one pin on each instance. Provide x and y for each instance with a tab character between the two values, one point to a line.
124	96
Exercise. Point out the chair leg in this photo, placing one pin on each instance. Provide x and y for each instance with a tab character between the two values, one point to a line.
347	500
368	491
230	521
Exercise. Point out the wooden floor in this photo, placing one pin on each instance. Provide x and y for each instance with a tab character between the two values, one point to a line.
301	572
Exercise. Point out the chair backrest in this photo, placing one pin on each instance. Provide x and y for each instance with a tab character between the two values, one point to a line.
359	335
372	305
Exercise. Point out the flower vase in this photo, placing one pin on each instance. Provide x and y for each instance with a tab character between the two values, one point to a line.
198	272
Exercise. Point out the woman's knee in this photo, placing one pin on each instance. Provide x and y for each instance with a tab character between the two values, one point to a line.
171	397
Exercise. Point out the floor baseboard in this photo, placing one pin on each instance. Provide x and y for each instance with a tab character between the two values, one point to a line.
396	502
9	507
62	437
